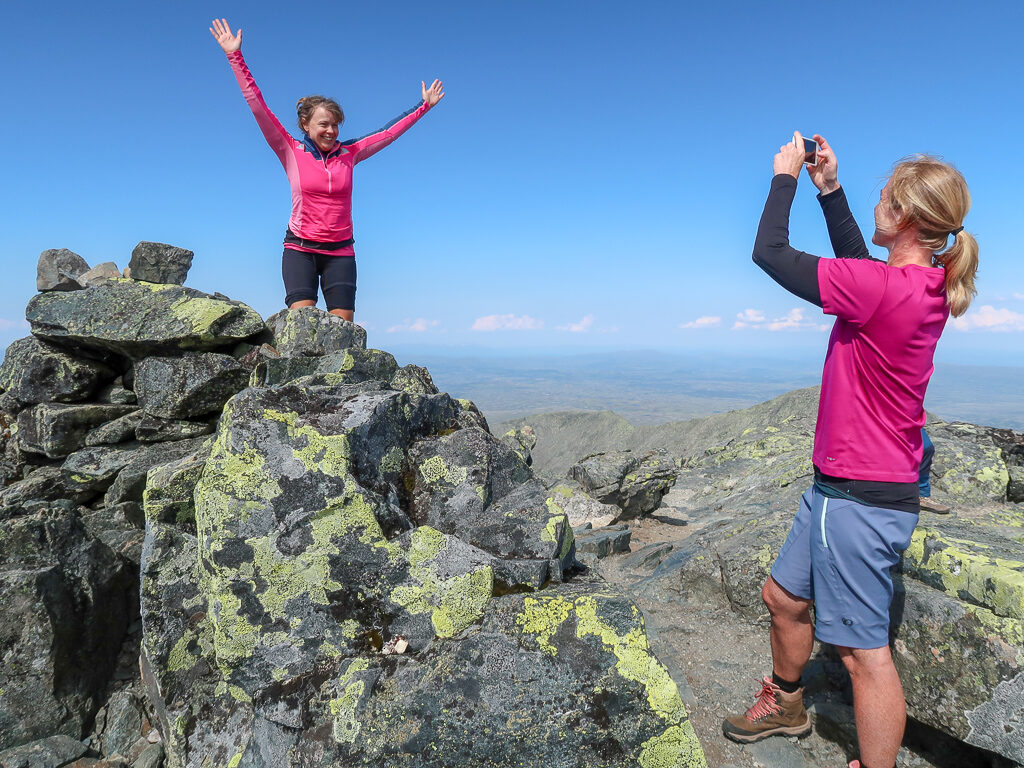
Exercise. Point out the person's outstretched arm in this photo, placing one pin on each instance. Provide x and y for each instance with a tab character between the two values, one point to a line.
794	270
846	237
276	135
371	144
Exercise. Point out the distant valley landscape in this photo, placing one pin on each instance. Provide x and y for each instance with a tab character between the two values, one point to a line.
651	388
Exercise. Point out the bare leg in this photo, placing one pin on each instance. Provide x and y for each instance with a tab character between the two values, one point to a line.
792	632
879	708
344	314
301	304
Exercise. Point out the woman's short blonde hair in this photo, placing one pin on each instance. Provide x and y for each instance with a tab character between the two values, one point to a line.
932	195
306	106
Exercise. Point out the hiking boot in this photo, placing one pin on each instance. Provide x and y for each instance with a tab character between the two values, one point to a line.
927	505
776	713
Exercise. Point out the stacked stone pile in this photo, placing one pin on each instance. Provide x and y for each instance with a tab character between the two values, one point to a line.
339	565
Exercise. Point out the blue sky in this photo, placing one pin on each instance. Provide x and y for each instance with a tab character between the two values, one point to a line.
592	179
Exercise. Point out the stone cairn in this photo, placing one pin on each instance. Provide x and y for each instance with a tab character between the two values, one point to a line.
313	556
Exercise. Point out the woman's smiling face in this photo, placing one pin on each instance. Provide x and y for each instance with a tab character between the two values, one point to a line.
322	128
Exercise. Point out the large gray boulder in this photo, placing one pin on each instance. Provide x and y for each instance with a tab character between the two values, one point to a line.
160	263
64	608
634	483
34	371
58	269
193	385
317	618
137	319
312	332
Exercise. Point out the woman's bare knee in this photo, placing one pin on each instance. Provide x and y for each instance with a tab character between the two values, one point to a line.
782	603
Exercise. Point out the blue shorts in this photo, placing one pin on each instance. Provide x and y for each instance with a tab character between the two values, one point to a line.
838	553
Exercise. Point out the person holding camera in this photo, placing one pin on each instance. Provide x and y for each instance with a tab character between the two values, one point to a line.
859	514
318	241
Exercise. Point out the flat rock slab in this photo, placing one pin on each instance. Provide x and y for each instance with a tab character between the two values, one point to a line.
312	332
582	508
160	263
115	431
44	753
35	371
55	430
193	385
355	364
58	269
138	319
152	429
604	541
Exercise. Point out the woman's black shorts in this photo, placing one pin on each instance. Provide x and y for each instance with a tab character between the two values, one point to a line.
337	276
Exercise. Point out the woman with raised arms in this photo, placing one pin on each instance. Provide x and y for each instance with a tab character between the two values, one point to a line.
318	241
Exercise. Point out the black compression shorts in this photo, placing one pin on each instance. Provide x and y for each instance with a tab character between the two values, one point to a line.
337	276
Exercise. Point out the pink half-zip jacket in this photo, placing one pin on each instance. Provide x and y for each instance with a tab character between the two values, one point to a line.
321	184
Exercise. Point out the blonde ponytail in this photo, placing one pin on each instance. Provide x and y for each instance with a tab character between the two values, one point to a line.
933	195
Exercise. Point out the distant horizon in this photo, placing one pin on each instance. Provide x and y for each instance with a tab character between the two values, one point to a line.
592	179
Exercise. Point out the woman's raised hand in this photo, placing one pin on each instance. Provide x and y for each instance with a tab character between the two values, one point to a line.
790	157
222	33
434	93
825	174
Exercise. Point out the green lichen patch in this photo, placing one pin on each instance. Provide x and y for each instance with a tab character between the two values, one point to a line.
967	570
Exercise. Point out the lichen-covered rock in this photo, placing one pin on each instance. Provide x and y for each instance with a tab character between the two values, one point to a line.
190	386
266	637
312	332
137	319
472	485
94	469
635	484
55	430
131	480
354	365
170	489
115	393
160	263
34	371
152	429
522	440
58	269
582	508
969	465
413	380
962	668
64	608
43	484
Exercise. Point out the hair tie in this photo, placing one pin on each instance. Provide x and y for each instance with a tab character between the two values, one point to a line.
957	231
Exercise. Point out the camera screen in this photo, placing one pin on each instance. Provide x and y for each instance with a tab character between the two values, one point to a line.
811	150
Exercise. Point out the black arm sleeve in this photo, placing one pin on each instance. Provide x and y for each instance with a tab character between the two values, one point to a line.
847	240
794	270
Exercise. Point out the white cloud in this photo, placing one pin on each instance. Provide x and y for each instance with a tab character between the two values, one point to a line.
793	320
419	325
507	323
707	321
988	318
1019	296
581	327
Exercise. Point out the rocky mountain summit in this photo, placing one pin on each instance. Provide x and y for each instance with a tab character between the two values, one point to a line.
958	616
313	556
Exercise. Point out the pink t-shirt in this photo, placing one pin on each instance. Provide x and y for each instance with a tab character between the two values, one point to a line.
877	367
